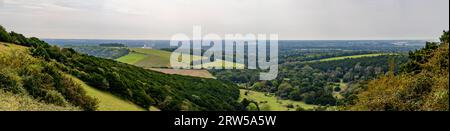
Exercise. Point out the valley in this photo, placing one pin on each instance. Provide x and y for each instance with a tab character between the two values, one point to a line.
63	77
313	76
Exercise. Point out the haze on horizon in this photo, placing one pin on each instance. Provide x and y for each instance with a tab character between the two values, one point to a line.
291	19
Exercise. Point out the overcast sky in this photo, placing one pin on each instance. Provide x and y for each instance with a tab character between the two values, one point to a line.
291	19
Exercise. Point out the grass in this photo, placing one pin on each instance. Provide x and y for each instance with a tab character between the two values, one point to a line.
151	58
107	101
272	103
7	47
17	102
219	63
194	73
14	57
351	57
154	59
132	58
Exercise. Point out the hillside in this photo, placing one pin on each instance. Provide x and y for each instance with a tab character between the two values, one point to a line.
15	102
48	66
153	58
423	84
29	77
107	101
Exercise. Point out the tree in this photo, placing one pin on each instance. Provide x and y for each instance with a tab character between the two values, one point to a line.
4	35
284	90
445	37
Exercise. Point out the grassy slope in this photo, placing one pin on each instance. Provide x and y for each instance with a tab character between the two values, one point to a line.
14	102
153	58
107	101
8	47
132	58
194	73
273	103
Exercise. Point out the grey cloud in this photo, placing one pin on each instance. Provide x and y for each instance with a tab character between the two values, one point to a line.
292	19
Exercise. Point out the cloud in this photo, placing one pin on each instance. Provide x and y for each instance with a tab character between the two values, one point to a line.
56	5
292	19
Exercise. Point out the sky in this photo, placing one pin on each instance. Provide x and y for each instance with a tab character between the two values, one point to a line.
290	19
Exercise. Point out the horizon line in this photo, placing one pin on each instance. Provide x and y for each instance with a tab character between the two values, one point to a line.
411	39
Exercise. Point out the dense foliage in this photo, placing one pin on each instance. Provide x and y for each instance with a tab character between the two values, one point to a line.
24	75
102	52
302	77
422	86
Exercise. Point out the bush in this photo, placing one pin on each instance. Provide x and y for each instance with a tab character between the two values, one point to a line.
11	81
4	36
54	97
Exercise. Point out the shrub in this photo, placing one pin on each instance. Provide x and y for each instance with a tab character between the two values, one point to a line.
11	81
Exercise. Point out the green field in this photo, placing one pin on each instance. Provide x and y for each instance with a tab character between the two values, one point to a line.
351	57
272	103
194	73
107	101
132	58
154	58
147	58
151	58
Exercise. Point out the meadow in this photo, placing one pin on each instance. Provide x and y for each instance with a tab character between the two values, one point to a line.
132	58
194	73
351	57
269	102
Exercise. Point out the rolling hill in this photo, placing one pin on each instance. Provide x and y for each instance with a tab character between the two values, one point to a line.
33	68
151	58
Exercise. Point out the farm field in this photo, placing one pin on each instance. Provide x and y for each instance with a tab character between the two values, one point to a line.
159	60
132	58
151	58
194	73
272	103
351	57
